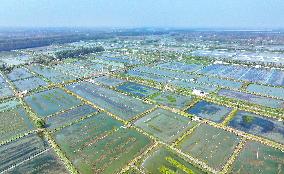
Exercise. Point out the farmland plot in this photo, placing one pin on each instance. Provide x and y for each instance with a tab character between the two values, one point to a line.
137	89
69	116
219	82
29	83
5	90
166	161
166	73
259	125
260	100
51	74
147	76
20	150
180	66
19	73
109	81
47	163
266	90
193	86
210	111
13	120
100	144
171	99
124	106
258	158
165	125
209	144
51	101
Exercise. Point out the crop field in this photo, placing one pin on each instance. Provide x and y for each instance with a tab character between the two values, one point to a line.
171	99
51	101
69	116
209	111
164	161
124	106
256	99
99	133
109	81
165	125
211	145
13	120
20	150
51	74
259	125
258	158
18	74
29	83
266	90
47	162
137	89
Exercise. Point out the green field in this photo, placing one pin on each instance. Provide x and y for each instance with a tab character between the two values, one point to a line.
165	125
51	101
211	145
100	144
165	161
259	158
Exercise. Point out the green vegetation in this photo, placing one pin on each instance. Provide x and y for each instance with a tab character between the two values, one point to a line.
77	52
248	119
40	123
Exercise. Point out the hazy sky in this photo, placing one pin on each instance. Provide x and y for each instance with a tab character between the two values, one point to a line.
140	13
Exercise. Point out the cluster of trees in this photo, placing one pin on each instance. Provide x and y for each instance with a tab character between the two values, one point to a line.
77	52
6	68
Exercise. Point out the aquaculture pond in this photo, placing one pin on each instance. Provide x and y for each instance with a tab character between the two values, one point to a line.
193	86
165	125
51	74
51	101
100	144
19	73
147	76
5	90
210	111
125	107
219	82
137	89
171	99
165	73
164	161
20	150
260	75
259	158
29	83
109	81
75	70
13	120
252	98
180	66
47	162
70	116
266	90
259	125
209	144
